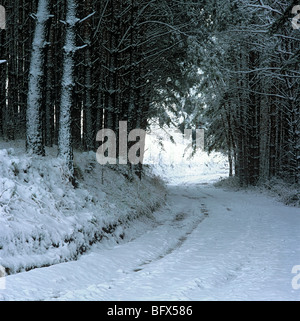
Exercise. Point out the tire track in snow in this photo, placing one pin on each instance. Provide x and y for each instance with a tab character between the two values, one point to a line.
179	218
187	218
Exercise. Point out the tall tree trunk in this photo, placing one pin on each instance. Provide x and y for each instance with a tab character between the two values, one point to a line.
89	117
65	150
34	140
12	86
253	121
49	105
3	76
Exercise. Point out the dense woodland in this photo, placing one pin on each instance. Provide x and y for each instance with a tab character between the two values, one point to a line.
75	67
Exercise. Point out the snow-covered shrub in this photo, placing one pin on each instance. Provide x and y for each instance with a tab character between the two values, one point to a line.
45	220
285	192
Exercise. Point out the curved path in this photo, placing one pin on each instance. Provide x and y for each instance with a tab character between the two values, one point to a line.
206	244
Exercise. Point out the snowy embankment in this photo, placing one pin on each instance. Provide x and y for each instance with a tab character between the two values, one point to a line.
44	220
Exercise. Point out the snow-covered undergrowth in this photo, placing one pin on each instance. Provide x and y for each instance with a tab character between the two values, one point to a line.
287	193
44	220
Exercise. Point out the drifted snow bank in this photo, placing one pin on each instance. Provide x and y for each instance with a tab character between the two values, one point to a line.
44	220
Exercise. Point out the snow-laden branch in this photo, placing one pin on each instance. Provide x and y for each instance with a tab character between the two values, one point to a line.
87	17
264	7
164	24
100	20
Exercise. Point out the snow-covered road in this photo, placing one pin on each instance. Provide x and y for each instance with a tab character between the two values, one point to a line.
206	244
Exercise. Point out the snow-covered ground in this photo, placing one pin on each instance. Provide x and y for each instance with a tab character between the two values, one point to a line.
205	244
